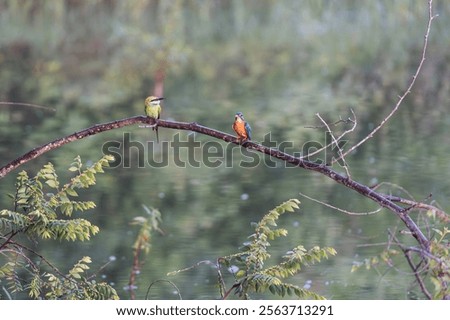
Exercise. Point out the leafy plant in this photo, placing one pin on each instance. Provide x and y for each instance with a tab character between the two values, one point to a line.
74	285
142	243
253	276
431	270
439	263
42	208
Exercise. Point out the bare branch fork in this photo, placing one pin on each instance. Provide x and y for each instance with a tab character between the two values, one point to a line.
353	120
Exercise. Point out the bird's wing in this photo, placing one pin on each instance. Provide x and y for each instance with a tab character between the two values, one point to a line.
248	129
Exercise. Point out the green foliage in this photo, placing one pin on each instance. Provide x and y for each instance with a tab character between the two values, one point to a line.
433	269
74	285
40	201
385	256
253	276
147	225
42	208
439	265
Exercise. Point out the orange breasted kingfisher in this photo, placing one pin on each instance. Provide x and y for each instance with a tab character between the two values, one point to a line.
153	110
242	128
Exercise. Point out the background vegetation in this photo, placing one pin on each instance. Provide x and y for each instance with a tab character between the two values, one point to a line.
279	62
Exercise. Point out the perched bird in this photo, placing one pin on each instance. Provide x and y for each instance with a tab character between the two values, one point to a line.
153	110
241	127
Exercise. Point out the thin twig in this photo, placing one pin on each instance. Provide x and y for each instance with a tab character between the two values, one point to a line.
442	215
7	293
416	204
408	89
95	274
225	296
8	240
415	268
220	277
339	209
417	275
334	124
163	280
24	104
53	267
134	269
208	262
355	123
337	145
426	254
380	184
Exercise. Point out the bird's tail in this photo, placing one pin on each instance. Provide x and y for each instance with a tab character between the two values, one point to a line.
157	137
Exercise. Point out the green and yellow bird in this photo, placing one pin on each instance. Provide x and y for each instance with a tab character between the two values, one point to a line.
153	110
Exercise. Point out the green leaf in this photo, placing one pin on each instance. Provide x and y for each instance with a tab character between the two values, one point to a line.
52	183
67	208
71	192
272	289
75	275
86	259
240	274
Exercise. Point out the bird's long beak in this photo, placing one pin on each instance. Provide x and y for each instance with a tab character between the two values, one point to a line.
158	99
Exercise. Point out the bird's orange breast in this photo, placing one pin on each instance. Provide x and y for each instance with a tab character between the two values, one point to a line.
239	128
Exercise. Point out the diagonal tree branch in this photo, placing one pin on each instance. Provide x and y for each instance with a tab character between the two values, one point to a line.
36	152
366	191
